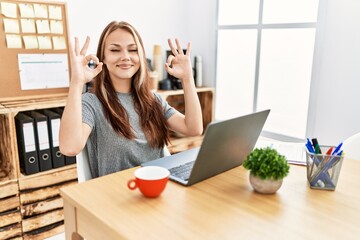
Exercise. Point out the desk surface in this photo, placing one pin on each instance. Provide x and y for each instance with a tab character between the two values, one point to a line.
222	207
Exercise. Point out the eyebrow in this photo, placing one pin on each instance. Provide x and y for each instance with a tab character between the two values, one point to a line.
118	45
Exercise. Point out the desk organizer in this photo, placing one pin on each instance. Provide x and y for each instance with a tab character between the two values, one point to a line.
323	170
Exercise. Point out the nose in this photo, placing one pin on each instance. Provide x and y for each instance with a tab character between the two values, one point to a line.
124	56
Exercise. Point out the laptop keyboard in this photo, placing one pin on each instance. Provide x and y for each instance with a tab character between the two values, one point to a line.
182	171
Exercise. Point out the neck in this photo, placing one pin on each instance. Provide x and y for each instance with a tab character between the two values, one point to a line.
122	86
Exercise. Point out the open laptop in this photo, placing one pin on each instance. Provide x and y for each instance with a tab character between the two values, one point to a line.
226	145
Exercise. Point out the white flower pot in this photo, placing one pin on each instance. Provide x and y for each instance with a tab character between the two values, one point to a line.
265	186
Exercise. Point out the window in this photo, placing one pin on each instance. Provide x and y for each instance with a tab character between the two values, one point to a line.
264	60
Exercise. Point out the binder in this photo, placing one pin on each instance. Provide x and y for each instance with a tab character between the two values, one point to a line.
42	140
58	159
25	134
68	159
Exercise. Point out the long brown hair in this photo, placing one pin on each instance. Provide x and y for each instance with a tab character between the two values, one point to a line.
149	109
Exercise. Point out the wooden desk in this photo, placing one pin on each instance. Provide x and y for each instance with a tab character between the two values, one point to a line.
222	207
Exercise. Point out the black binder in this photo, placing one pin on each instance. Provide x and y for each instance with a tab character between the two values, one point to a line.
42	140
58	159
25	134
68	159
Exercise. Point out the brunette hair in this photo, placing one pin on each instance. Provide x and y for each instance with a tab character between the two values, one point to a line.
149	109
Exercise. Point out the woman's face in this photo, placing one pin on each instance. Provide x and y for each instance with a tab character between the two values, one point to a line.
121	55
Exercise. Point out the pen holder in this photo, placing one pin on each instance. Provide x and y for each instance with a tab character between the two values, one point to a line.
323	170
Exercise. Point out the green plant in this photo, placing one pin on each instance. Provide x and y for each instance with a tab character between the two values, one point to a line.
267	163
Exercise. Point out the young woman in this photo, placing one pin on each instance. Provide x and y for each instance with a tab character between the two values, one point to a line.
122	122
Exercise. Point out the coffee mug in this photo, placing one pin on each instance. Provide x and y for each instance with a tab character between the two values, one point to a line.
150	180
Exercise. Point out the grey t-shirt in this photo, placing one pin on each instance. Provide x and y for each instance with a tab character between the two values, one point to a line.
108	152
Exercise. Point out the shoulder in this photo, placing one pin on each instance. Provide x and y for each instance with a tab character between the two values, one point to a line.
157	97
89	97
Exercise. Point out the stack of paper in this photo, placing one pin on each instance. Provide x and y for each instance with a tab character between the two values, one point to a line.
293	152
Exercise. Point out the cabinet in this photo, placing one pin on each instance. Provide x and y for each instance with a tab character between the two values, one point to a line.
30	206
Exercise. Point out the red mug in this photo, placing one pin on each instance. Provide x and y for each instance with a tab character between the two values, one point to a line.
150	180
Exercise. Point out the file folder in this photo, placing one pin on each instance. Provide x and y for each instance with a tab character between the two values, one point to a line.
68	159
25	134
42	140
58	159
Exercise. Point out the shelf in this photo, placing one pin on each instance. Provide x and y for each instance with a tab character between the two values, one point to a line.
30	205
184	143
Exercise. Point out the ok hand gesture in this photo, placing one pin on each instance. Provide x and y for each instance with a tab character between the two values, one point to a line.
179	64
81	73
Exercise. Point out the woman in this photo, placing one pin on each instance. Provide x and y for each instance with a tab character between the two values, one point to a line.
122	122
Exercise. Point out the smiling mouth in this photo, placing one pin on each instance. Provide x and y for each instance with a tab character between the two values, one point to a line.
124	66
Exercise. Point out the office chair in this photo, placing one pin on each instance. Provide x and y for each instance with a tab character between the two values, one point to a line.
351	147
83	167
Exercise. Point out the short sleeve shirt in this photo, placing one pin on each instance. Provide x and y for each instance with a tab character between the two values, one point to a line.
109	152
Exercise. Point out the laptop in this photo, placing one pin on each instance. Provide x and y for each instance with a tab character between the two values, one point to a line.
226	145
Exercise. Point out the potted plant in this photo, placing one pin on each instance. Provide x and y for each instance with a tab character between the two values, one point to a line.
267	169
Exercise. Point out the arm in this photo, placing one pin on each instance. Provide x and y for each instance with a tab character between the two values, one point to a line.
191	124
73	132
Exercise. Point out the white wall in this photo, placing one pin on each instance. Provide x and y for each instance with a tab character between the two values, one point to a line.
334	111
156	21
335	100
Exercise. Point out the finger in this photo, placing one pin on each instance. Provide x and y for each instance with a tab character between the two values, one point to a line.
188	49
173	50
169	60
98	68
92	57
168	68
86	46
77	51
71	50
179	46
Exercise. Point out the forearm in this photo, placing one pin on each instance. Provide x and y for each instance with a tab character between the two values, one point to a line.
71	130
193	114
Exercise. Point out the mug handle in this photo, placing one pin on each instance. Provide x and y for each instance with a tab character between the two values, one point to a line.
132	184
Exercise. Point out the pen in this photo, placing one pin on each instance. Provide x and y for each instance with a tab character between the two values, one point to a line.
337	149
309	146
316	145
333	161
328	153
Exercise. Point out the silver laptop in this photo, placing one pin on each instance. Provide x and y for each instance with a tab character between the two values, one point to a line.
226	145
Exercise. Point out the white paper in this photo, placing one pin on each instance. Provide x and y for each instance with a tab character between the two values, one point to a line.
26	10
9	9
29	137
28	26
13	41
43	135
55	12
293	152
55	128
44	42
11	25
40	11
42	26
43	71
56	27
31	42
59	43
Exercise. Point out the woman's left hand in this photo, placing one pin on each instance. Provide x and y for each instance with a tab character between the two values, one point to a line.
179	64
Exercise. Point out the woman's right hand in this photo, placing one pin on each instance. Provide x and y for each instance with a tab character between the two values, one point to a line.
81	73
